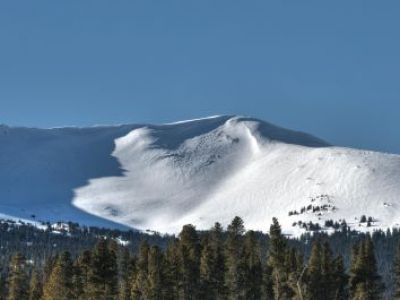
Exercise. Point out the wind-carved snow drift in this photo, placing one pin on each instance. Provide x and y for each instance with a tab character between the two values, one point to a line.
209	170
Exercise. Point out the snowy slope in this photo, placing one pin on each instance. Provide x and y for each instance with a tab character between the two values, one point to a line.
160	177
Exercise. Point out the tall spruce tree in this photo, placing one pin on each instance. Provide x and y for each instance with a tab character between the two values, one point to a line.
314	283
320	273
80	279
253	273
140	287
3	285
208	286
234	277
156	274
327	269
295	270
396	273
103	272
172	271
59	285
325	276
277	255
354	277
216	241
365	282
48	267
35	286
340	279
189	255
18	279
78	286
267	283
124	270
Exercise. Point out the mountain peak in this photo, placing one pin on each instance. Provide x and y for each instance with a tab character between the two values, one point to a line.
160	177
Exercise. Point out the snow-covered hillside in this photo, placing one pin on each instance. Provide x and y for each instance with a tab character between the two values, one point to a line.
160	177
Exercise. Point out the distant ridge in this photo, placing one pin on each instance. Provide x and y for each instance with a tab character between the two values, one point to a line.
160	177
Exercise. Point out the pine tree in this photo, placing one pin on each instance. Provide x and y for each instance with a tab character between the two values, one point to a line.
59	285
365	281
35	286
156	274
103	273
217	245
315	288
140	288
277	262
252	266
189	255
234	279
172	271
3	284
81	275
295	270
340	279
324	277
18	280
327	269
125	269
78	287
268	283
48	267
396	271
375	286
208	267
354	278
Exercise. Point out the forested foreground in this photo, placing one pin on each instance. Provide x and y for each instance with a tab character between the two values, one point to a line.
216	264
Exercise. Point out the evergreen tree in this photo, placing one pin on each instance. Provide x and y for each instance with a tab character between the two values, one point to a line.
78	287
325	277
277	262
396	271
172	271
125	269
295	270
327	269
252	267
354	277
268	283
156	274
35	286
103	272
212	265
59	285
189	255
340	279
208	288
217	245
365	281
374	283
80	279
140	288
3	284
48	267
315	288
18	280
234	278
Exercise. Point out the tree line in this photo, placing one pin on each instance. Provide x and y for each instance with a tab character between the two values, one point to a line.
216	264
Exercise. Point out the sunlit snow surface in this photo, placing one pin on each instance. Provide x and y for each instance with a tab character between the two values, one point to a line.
160	177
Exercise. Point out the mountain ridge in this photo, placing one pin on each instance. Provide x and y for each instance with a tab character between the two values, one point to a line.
160	177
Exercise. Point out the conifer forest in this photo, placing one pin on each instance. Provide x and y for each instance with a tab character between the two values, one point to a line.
221	263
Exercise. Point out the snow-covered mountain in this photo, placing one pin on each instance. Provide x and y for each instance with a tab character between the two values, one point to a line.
160	177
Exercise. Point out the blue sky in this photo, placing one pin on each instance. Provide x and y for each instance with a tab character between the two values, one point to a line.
330	68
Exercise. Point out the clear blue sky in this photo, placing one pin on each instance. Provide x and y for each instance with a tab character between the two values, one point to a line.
330	68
